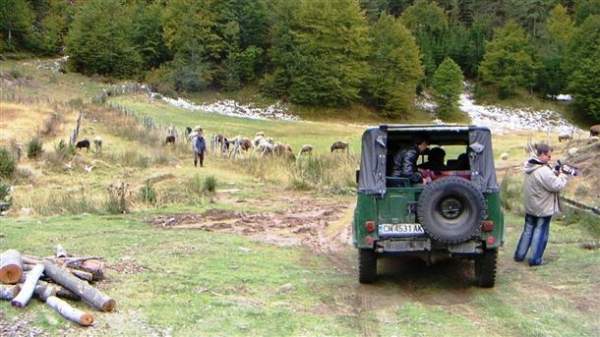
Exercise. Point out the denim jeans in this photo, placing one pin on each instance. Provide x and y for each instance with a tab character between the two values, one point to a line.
535	236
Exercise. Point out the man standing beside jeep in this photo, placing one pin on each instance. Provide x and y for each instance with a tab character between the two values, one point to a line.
405	161
541	191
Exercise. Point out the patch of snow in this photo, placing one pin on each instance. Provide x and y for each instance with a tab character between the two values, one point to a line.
231	108
505	119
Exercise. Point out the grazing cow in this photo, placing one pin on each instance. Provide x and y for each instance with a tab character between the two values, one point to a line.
595	130
83	144
283	150
188	130
98	144
564	136
339	145
264	147
170	140
306	149
239	144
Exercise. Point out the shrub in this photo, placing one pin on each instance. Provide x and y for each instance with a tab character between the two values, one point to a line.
148	194
118	198
15	73
51	123
209	185
7	163
4	190
34	148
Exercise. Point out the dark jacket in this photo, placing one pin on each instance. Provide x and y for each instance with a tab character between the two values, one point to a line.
405	165
198	144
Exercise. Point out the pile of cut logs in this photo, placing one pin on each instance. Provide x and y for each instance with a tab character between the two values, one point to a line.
52	278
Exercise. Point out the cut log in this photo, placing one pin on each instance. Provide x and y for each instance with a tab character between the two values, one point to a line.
93	266
88	293
43	290
7	293
28	287
60	251
28	259
84	275
11	267
70	313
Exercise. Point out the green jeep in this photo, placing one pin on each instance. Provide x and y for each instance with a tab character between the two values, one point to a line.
457	214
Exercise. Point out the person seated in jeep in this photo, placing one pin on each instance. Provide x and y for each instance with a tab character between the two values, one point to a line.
435	160
405	161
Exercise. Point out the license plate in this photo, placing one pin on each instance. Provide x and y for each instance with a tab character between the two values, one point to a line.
401	229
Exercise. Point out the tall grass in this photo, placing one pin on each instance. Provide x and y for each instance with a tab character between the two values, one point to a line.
8	164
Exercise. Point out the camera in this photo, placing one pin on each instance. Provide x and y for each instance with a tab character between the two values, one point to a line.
566	168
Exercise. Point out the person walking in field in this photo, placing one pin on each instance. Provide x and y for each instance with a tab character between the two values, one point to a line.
199	146
541	192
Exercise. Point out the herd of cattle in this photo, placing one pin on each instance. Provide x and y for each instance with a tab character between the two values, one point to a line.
260	145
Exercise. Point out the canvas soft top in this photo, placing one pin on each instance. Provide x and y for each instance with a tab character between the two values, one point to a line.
374	148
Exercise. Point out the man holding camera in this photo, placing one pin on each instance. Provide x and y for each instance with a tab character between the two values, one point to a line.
541	191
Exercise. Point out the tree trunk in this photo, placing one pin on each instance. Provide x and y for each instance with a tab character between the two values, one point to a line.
11	267
93	266
70	313
43	290
9	292
60	251
88	293
27	290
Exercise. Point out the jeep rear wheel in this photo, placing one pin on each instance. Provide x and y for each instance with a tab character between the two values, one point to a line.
451	209
485	268
367	266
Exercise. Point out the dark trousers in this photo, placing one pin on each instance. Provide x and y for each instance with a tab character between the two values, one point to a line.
199	157
535	236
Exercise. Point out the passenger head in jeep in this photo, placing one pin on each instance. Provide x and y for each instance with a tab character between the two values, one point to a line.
405	160
435	160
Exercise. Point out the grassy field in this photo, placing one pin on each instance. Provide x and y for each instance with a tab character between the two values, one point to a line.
191	282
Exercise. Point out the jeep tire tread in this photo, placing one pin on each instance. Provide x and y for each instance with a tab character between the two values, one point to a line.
451	209
485	268
367	266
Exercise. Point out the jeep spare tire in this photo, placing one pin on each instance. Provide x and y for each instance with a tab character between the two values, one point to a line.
450	209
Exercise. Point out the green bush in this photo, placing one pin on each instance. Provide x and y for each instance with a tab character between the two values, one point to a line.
209	185
4	190
34	148
148	194
7	163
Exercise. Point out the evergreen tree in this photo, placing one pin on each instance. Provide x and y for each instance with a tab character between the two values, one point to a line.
16	24
585	8
395	67
552	78
447	85
508	62
99	40
428	23
147	33
319	55
584	69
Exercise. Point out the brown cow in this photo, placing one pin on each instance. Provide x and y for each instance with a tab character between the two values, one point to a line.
306	149
284	150
339	145
595	130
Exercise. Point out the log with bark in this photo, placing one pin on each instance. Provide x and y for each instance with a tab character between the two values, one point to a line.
88	293
28	288
11	267
60	251
92	266
7	293
70	313
43	290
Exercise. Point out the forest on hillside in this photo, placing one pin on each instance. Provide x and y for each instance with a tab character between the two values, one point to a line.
380	53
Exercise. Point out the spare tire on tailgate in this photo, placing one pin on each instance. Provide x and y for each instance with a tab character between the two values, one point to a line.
450	209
